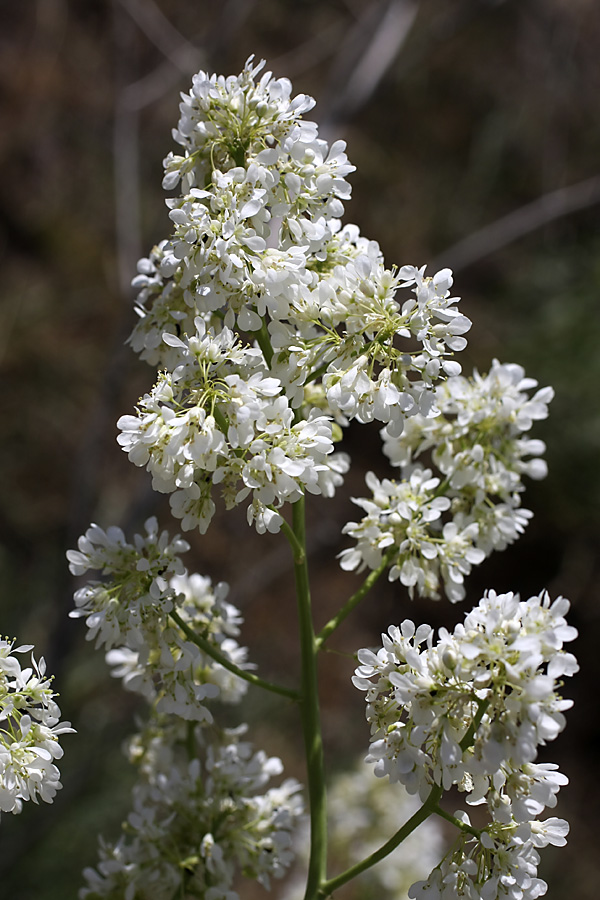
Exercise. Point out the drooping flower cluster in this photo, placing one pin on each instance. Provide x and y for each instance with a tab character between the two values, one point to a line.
471	711
129	613
439	526
258	252
30	728
197	824
363	813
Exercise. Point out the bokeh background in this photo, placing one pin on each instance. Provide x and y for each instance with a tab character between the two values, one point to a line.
474	127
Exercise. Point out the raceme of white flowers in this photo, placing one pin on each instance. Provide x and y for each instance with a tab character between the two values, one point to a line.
436	525
272	327
30	728
202	812
196	824
129	613
471	711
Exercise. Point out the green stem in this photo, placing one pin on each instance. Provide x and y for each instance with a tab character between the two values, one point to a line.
317	373
457	822
221	420
297	548
328	887
442	488
311	718
467	740
263	340
211	651
355	599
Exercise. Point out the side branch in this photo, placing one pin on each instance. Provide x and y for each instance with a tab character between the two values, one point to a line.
467	740
430	806
208	648
263	339
298	550
468	829
354	600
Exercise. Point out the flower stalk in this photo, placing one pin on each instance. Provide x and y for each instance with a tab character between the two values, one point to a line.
354	600
328	887
250	677
311	716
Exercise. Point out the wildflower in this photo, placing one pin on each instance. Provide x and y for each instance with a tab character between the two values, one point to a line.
30	732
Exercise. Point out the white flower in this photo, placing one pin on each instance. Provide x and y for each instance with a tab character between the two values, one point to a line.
532	788
496	675
29	732
550	831
200	824
404	520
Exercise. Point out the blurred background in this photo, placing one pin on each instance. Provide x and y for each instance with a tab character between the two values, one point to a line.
474	127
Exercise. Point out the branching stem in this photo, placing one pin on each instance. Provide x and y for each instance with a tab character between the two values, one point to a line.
457	822
355	599
430	805
211	651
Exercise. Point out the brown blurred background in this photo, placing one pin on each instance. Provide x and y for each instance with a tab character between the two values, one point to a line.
474	127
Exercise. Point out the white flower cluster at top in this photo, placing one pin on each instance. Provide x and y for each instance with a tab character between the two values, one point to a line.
30	727
471	711
435	527
363	811
270	320
201	813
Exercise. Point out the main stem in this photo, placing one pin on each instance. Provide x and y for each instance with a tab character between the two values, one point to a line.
311	717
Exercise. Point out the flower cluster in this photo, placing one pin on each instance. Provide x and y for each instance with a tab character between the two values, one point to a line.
138	593
363	812
258	253
471	711
29	731
496	864
273	327
196	824
130	613
220	419
202	810
433	527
